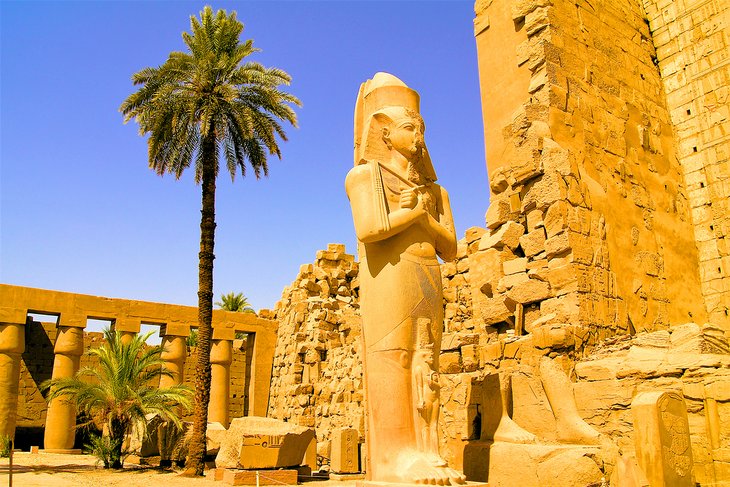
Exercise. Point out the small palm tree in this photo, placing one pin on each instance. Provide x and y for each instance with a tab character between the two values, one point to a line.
122	389
195	106
236	302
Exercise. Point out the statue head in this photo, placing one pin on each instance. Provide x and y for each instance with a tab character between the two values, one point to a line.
387	118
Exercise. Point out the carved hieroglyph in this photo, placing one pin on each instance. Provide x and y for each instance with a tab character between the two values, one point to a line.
402	221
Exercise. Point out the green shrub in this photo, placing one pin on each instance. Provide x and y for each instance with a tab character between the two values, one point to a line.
6	444
106	450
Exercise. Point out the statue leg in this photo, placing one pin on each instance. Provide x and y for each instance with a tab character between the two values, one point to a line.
507	430
571	427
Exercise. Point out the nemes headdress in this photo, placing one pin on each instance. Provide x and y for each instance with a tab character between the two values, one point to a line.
377	96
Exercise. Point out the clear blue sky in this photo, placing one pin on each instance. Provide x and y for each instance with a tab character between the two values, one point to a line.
81	212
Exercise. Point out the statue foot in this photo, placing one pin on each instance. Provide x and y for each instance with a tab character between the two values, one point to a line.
432	470
510	432
577	432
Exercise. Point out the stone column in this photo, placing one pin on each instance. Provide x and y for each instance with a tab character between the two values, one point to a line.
128	329
174	354
221	356
12	345
61	416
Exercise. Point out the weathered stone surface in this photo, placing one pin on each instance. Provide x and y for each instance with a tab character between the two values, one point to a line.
508	236
533	243
494	310
255	442
497	213
544	465
529	291
694	338
514	266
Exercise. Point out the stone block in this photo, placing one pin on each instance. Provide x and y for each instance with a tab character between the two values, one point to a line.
470	357
529	291
556	336
450	363
514	266
694	338
544	465
661	436
508	282
544	192
508	236
497	213
344	451
258	477
494	310
534	220
556	218
256	442
534	242
563	279
559	244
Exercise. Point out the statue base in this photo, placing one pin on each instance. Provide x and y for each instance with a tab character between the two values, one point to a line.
544	465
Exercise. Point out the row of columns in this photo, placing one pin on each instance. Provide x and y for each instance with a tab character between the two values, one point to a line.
59	432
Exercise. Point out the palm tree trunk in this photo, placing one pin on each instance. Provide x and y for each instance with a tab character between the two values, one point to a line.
197	448
116	439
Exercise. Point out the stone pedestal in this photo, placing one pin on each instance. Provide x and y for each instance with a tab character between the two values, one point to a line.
221	356
61	417
174	353
661	435
12	345
513	464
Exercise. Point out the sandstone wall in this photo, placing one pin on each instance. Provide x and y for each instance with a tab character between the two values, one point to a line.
589	221
693	55
317	374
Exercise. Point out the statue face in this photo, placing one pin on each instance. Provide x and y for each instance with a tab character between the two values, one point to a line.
405	136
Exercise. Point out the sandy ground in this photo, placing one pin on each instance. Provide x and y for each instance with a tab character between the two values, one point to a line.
47	469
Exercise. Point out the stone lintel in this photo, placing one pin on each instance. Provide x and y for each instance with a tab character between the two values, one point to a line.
13	315
224	331
128	325
175	329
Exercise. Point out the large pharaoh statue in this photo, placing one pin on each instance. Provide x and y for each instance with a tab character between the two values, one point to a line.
403	221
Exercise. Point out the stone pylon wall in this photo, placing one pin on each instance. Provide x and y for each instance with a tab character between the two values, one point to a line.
693	54
589	218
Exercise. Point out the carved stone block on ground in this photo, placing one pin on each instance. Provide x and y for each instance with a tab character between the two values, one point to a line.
661	435
255	442
344	453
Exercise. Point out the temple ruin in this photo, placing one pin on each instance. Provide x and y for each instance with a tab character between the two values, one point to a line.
605	250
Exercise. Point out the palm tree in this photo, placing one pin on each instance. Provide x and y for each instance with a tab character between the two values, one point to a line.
197	104
236	302
122	389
